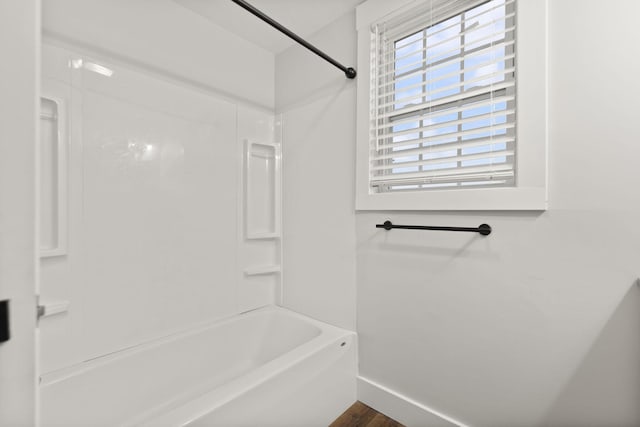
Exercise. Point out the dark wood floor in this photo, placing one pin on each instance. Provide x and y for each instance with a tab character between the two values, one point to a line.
360	415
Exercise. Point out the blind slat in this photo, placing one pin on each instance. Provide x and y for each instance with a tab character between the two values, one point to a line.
450	54
494	115
461	84
391	57
393	77
497	177
463	70
454	173
448	100
404	43
435	114
445	136
406	25
440	160
403	27
458	145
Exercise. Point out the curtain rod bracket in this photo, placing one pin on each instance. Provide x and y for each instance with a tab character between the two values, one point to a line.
350	73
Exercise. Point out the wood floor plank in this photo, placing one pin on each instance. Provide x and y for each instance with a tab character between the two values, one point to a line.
361	415
358	415
383	421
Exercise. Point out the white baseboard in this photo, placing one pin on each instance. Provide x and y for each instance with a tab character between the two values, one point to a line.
401	408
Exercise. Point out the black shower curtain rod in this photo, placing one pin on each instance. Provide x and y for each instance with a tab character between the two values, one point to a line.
349	72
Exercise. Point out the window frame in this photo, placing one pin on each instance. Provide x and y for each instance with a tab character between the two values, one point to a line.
530	190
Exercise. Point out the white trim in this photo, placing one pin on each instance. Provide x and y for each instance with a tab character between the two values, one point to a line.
532	126
401	408
477	199
19	185
278	139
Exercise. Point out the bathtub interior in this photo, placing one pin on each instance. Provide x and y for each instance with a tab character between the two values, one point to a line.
279	334
154	378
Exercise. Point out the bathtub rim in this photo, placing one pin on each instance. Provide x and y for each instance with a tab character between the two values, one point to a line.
53	377
196	408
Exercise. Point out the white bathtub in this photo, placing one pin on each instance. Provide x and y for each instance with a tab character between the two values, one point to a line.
269	367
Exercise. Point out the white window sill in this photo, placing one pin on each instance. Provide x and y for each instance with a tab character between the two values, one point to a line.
489	199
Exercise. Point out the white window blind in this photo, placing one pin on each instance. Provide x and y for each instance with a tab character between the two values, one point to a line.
443	103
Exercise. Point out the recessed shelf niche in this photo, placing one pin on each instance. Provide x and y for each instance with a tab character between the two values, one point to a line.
262	190
53	178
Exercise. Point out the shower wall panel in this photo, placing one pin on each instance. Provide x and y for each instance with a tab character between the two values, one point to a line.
154	188
158	185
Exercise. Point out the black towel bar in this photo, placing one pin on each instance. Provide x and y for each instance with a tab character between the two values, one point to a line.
484	229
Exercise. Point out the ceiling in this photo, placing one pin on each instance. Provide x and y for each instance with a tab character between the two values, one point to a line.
303	17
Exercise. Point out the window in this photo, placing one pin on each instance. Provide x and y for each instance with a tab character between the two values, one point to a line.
445	111
441	104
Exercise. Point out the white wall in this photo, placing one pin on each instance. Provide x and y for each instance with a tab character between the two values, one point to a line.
19	78
536	324
317	104
169	38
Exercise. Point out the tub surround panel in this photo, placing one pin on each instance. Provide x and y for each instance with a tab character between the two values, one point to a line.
147	213
150	250
318	110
